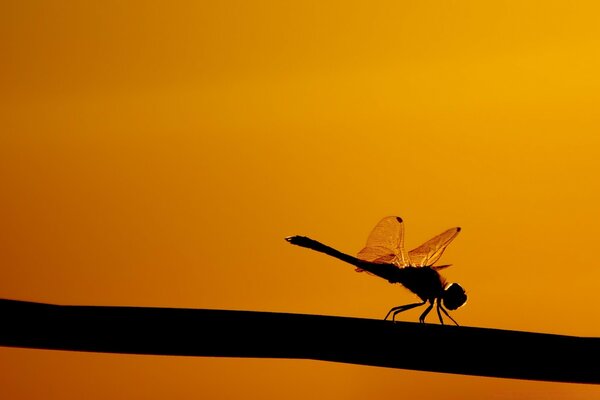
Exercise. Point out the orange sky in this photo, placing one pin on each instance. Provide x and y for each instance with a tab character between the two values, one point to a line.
156	154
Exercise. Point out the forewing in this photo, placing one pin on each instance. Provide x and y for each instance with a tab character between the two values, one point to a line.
430	251
386	243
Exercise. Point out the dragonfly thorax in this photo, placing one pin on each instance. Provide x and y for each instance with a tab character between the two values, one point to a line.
425	282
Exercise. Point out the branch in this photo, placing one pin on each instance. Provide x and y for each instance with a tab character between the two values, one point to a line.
224	333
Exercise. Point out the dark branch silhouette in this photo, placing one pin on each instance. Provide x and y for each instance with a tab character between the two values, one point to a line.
224	333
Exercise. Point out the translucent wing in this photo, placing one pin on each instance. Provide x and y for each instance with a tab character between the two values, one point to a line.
386	243
430	251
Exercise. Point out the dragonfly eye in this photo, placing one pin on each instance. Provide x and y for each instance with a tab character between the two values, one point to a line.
454	296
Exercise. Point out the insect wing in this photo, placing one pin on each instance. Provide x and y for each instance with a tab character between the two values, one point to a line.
430	251
386	243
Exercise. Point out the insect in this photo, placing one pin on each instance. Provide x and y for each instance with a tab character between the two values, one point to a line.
384	256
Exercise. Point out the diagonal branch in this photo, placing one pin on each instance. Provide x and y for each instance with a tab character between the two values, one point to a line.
225	333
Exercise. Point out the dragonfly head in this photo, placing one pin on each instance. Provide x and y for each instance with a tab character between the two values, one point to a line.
454	296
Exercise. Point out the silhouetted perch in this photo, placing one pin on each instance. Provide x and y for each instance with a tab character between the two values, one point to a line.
223	333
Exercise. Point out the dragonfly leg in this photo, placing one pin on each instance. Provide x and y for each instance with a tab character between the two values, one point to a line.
399	309
422	317
439	305
448	315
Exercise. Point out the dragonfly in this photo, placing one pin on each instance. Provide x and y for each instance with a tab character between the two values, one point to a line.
384	256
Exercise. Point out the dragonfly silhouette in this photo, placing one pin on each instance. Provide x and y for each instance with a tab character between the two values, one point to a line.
384	256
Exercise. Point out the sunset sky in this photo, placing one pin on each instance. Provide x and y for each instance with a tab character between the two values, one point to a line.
157	154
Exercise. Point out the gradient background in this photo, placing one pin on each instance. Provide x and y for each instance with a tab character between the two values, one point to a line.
157	153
